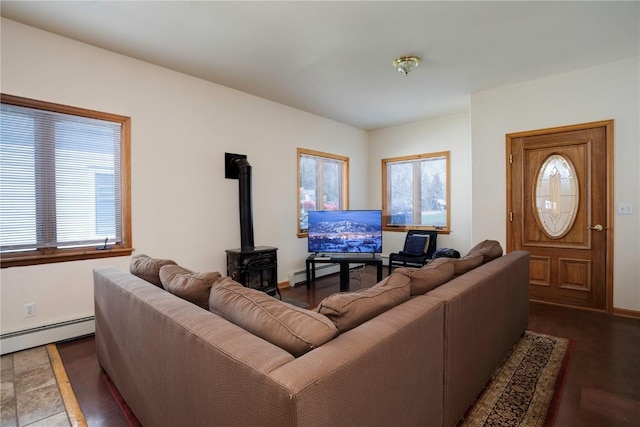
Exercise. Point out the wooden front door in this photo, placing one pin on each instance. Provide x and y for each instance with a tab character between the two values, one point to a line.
559	210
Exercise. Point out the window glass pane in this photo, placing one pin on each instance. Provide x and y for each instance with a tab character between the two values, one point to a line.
83	150
307	188
332	176
557	195
17	180
400	193
434	195
105	205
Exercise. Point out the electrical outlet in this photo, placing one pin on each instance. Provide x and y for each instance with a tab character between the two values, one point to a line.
625	208
30	309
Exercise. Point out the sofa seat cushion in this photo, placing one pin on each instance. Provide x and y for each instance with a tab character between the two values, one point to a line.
148	268
186	284
291	328
349	309
467	263
430	276
490	250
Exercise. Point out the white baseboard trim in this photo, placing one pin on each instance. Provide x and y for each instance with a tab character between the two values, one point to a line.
34	337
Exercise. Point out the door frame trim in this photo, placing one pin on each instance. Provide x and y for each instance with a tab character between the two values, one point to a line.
608	125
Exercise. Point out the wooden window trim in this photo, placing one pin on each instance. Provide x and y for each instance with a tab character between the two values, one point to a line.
417	192
125	247
345	182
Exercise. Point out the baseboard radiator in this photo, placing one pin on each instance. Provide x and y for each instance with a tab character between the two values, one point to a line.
41	335
298	277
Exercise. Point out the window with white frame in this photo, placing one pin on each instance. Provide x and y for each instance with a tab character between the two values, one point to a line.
416	192
322	184
64	183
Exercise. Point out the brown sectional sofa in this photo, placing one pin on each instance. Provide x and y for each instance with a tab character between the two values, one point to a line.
420	363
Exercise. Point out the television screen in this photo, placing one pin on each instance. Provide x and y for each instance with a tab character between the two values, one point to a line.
357	231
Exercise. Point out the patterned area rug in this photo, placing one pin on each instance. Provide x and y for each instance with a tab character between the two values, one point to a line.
526	389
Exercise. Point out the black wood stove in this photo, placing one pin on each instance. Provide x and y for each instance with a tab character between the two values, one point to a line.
252	266
256	269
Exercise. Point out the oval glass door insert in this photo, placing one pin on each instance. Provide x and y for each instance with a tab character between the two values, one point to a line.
556	195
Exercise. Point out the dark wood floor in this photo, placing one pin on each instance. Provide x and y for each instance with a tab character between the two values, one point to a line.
602	387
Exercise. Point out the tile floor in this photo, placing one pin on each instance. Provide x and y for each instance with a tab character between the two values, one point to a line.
30	393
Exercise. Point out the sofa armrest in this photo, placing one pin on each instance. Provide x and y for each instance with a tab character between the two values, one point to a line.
486	312
387	371
178	364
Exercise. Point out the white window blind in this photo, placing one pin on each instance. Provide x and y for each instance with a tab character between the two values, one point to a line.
59	180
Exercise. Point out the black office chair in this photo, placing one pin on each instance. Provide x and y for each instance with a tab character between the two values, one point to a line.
419	246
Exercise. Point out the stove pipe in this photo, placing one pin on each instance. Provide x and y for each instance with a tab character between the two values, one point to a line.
246	212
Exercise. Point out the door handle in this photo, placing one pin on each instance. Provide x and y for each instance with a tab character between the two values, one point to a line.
596	227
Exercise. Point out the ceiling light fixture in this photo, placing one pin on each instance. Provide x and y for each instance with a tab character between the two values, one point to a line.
404	64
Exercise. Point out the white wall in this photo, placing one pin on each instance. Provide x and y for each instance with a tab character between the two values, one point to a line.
448	133
183	208
609	91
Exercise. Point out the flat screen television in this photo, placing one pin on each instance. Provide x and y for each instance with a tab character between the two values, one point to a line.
352	231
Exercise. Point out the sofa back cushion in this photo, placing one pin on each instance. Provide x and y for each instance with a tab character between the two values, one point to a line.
349	309
430	276
293	329
186	284
467	263
490	250
148	268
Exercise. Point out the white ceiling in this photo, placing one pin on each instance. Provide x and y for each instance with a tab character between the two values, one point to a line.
333	58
